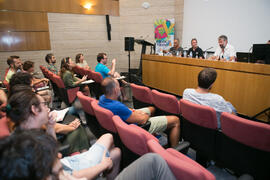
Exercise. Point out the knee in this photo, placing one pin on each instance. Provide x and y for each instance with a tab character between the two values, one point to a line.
116	152
152	158
108	137
173	121
152	109
107	140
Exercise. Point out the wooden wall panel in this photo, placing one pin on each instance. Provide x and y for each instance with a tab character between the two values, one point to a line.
23	41
23	21
100	7
115	9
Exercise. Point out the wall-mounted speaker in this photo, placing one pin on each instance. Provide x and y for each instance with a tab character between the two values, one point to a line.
108	27
129	43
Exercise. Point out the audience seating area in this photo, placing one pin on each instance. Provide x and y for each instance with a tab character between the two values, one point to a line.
136	140
241	145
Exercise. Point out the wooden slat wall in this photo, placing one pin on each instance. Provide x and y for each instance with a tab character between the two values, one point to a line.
23	21
24	41
100	7
23	31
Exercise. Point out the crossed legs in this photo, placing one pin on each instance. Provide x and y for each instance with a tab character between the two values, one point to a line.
173	124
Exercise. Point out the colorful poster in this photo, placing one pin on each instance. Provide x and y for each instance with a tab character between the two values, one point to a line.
164	34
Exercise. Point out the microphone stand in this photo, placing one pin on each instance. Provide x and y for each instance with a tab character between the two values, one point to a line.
205	51
249	53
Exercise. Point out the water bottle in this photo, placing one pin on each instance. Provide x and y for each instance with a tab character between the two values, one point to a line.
190	54
205	54
185	53
197	55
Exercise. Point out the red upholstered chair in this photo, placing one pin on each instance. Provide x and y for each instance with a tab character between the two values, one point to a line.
90	114
4	131
96	76
89	73
182	167
96	86
244	146
86	103
141	95
104	117
68	95
166	102
133	140
80	71
133	137
199	127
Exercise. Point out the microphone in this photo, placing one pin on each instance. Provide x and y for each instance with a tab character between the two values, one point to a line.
251	48
208	49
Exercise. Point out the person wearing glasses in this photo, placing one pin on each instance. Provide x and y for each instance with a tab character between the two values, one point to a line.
33	154
101	67
29	111
225	51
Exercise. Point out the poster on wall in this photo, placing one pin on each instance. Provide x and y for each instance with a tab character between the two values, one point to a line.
164	34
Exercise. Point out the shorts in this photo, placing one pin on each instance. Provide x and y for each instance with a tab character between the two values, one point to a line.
158	123
86	159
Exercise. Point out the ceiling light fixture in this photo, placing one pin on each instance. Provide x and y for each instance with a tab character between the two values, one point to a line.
87	6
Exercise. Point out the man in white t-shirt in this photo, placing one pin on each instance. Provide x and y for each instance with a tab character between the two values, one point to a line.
225	51
202	95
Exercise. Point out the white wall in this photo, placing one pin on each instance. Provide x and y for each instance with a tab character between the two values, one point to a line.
244	22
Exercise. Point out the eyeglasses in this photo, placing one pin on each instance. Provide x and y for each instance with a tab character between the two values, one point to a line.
45	103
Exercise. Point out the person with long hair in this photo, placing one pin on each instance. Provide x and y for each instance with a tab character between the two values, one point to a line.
68	77
79	59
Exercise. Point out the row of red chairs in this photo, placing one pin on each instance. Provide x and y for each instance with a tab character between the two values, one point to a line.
241	145
67	95
141	142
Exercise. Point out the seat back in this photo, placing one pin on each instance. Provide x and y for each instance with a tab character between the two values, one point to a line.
89	73
92	122
244	146
96	86
250	133
199	127
59	82
181	166
139	136
142	96
86	103
204	116
104	117
96	76
80	71
166	102
66	95
4	131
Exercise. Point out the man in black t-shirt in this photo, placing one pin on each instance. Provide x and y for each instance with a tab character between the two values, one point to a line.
195	51
176	50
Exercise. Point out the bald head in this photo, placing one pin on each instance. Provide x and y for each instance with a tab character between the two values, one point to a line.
108	86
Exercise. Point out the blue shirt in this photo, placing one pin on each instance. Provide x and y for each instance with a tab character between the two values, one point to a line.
102	69
116	107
